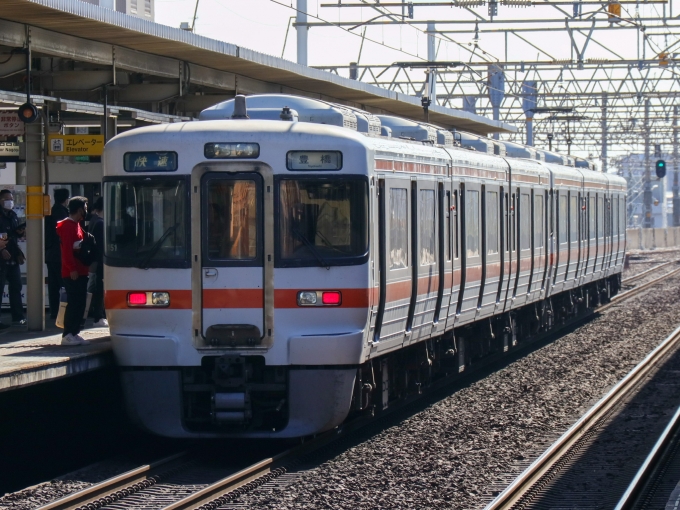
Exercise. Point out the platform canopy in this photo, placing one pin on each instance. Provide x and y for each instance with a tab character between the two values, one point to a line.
173	71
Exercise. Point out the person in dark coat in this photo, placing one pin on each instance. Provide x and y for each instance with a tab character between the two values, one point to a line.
11	257
53	248
95	284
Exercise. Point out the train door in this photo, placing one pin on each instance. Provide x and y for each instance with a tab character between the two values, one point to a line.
456	271
444	258
378	254
592	239
491	250
608	230
538	243
395	261
232	259
600	246
470	209
512	248
504	250
524	246
561	239
616	227
572	238
425	269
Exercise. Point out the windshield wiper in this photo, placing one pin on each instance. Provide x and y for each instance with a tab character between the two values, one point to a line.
311	247
144	264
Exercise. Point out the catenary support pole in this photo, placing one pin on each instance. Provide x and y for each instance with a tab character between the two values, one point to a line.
647	197
302	32
35	281
676	172
604	132
431	57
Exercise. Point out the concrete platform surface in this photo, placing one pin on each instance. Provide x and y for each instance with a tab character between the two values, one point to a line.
32	357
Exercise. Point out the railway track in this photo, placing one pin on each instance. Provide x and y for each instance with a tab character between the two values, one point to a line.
533	483
114	492
656	481
632	279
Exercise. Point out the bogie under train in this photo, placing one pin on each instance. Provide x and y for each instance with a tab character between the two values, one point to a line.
268	276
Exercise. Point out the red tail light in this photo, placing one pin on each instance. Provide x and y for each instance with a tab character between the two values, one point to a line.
137	298
331	298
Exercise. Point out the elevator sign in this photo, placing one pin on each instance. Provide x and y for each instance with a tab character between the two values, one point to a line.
75	145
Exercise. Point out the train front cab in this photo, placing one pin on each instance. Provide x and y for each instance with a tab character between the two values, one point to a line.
266	269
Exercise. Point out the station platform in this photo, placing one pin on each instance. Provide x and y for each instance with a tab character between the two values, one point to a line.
28	358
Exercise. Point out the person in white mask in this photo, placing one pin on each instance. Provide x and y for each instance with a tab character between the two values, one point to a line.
11	257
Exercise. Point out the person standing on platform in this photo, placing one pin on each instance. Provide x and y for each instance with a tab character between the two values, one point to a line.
73	272
11	257
95	284
53	248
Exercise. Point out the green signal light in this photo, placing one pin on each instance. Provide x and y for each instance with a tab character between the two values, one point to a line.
660	168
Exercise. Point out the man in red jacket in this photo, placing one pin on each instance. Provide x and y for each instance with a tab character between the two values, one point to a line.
73	271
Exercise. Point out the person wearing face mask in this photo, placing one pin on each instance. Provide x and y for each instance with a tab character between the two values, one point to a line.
11	257
73	272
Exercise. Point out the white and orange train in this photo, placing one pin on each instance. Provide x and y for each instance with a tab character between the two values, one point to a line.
267	276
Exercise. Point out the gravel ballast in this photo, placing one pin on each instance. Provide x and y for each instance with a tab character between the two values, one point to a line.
459	451
463	449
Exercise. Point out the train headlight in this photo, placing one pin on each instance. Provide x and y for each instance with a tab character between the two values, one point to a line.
160	298
306	298
319	298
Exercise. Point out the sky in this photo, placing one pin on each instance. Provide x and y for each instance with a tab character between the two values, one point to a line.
265	26
262	25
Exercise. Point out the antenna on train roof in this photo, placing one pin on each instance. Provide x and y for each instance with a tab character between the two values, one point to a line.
240	110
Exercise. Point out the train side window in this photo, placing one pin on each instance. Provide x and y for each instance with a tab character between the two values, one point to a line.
426	227
615	215
398	228
491	222
512	222
455	224
564	211
539	223
448	215
507	224
624	217
573	218
472	223
582	216
591	217
525	222
600	218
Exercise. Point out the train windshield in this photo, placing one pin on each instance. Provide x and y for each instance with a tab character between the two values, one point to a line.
146	223
322	221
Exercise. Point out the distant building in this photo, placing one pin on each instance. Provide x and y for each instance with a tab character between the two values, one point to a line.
144	9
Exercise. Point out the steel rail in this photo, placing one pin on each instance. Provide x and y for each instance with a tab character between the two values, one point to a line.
223	487
636	290
260	470
122	482
514	493
648	470
638	276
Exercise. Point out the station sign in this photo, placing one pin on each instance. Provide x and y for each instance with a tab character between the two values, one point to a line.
11	124
10	151
75	145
